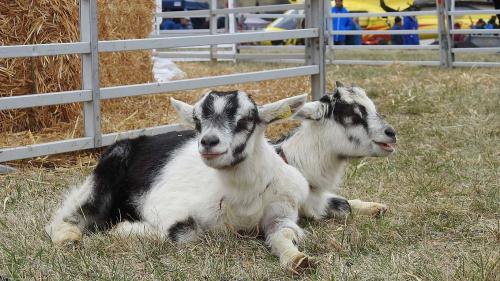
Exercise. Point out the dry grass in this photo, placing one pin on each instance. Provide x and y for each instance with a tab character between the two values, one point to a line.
442	187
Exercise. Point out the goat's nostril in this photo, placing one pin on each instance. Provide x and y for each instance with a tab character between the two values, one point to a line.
390	132
209	141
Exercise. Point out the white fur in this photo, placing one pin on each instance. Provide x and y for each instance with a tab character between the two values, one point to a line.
318	148
261	192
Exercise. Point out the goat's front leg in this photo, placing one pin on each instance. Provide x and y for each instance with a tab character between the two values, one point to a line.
282	235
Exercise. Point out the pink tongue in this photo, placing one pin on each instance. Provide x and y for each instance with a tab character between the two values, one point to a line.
386	145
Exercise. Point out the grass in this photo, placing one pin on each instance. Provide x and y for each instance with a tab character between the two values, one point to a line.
442	187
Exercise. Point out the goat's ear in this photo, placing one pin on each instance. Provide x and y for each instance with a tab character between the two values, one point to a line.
281	109
184	110
314	110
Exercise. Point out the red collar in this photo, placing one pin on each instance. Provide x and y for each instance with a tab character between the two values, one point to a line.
283	156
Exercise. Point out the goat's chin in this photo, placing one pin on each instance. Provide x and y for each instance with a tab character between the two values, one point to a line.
222	162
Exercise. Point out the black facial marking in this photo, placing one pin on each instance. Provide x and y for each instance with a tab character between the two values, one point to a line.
125	171
227	116
207	107
247	123
180	228
329	106
231	106
345	114
336	95
197	123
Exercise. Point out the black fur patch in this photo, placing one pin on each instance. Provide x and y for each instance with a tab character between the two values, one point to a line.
329	103
338	207
180	228
345	114
229	111
126	171
356	141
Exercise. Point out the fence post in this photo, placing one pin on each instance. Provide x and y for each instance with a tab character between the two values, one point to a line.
232	27
329	24
449	23
90	70
444	44
213	28
315	47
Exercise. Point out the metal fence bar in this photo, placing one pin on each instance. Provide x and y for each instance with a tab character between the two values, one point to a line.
35	150
274	16
172	42
476	50
90	70
17	51
285	47
386	47
388	14
476	64
383	32
386	62
229	55
25	101
197	83
315	46
474	12
182	14
240	10
474	31
264	8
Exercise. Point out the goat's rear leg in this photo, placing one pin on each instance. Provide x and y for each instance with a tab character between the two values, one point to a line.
367	208
321	205
69	221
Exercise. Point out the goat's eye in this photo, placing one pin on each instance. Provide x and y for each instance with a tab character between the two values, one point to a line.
197	123
243	123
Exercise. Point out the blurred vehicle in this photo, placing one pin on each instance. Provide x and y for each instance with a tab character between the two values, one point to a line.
429	22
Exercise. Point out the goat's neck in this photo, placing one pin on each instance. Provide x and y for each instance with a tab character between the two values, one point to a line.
253	175
312	153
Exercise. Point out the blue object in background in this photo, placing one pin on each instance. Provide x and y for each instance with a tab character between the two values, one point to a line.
410	23
340	24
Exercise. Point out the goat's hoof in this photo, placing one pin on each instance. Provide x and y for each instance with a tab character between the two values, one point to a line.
378	209
66	235
302	263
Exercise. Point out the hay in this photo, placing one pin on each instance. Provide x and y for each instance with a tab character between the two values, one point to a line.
46	21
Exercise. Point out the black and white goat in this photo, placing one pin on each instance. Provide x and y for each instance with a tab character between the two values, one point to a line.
176	185
338	127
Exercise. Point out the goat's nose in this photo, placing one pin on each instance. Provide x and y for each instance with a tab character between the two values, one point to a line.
209	141
390	132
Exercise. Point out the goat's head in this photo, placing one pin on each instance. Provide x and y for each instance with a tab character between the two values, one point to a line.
229	123
349	120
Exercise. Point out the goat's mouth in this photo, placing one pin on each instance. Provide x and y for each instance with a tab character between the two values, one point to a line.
212	155
389	147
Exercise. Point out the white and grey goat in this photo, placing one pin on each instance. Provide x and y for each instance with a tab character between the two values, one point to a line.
176	185
338	127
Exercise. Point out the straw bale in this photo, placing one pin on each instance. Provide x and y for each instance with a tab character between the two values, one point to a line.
46	21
